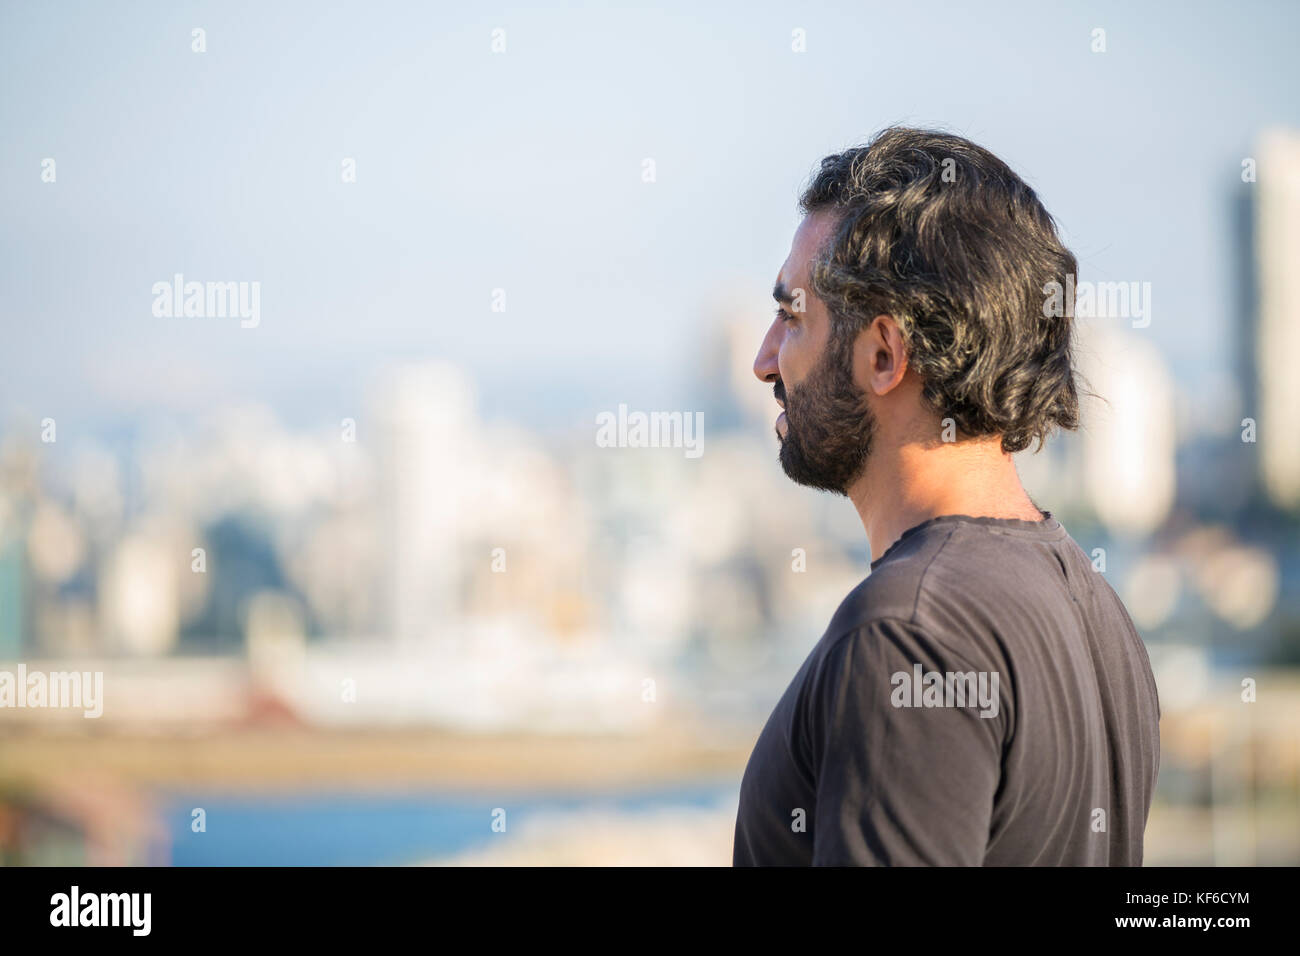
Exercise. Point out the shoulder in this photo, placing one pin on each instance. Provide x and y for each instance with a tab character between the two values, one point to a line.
961	578
897	587
915	608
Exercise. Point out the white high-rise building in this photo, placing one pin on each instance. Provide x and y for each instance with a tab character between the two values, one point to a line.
1128	430
1278	342
427	462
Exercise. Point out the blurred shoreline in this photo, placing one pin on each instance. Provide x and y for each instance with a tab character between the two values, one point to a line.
262	759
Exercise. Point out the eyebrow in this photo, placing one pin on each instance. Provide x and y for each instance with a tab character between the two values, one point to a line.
781	293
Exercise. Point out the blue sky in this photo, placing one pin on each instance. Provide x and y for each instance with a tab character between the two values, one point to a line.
522	171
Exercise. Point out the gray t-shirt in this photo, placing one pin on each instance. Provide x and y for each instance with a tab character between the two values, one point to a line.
982	698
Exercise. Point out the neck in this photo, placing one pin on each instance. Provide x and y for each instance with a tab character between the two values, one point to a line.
907	483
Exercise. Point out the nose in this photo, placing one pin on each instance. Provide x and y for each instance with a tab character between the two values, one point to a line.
765	367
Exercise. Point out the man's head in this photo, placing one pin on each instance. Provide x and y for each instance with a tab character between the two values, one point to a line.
914	293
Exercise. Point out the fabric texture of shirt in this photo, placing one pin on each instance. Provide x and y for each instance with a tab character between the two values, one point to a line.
883	751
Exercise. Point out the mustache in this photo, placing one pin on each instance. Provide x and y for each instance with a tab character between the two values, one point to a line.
778	390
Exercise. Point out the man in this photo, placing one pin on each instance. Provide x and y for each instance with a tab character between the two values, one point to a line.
982	698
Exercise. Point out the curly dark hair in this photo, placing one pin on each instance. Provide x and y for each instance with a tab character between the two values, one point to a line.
940	234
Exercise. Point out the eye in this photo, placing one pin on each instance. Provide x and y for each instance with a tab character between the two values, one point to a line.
784	316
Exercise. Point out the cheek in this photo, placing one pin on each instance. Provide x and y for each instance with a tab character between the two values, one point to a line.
792	358
787	356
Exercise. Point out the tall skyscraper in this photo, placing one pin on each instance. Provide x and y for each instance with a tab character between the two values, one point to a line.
428	459
1278	235
1128	429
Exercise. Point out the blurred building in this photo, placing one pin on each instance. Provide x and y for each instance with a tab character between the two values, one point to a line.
428	460
1278	337
1128	429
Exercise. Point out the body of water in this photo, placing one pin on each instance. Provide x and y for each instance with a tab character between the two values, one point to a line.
349	829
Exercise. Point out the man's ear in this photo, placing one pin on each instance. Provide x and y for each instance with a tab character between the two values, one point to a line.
879	356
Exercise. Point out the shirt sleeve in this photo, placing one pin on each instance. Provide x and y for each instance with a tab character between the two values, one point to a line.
899	783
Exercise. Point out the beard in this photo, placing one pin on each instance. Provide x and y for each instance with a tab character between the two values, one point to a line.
828	424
